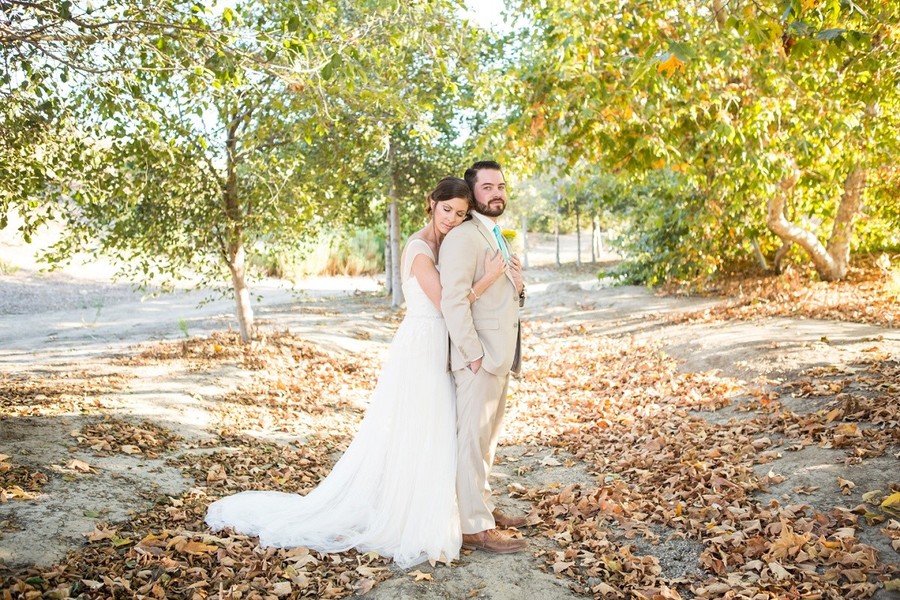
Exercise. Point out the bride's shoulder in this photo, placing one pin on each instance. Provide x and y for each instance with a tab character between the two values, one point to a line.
419	245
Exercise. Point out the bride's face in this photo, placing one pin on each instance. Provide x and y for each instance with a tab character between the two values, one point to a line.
447	214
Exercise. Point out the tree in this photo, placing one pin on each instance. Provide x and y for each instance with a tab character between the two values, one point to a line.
415	162
191	169
47	49
728	97
420	149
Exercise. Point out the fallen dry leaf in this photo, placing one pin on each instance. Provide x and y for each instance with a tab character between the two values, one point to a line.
846	486
618	407
891	504
79	465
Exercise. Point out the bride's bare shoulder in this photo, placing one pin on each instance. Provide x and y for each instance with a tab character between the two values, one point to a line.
417	240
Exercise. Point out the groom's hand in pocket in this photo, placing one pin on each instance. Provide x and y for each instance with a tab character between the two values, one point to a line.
475	365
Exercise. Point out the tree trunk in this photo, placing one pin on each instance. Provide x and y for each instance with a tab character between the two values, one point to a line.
235	254
830	263
719	13
394	216
760	257
396	290
842	231
388	256
594	235
556	227
780	255
238	267
578	233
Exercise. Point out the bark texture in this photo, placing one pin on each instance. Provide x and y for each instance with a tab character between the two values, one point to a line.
842	232
388	257
238	268
234	251
719	12
394	237
832	261
396	289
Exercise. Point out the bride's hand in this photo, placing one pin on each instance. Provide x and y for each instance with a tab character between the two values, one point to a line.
494	265
515	271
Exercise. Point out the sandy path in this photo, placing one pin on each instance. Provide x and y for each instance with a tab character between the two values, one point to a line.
111	319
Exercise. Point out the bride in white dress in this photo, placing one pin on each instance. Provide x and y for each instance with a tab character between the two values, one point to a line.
393	491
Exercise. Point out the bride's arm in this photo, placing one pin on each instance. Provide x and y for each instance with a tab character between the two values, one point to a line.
494	268
430	280
428	277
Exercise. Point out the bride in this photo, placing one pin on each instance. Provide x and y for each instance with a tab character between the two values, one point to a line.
393	491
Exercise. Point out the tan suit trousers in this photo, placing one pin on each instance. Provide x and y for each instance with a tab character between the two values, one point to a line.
480	404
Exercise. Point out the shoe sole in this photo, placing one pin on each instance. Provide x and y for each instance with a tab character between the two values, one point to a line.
515	525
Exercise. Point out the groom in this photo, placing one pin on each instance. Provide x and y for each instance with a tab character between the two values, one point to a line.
485	348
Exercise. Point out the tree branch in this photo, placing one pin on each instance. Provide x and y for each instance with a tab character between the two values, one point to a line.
789	232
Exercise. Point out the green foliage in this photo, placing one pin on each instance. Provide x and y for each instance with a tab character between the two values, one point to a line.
333	253
727	103
48	52
669	235
256	127
879	224
361	254
7	268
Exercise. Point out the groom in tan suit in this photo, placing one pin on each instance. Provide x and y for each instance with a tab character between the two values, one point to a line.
485	348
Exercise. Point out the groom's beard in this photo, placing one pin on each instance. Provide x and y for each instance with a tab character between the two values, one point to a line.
490	211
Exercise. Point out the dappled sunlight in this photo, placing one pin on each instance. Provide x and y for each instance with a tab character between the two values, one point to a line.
54	393
865	296
626	409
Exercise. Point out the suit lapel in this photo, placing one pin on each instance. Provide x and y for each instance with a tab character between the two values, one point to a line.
488	236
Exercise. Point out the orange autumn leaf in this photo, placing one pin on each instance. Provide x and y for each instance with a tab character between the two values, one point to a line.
670	65
848	429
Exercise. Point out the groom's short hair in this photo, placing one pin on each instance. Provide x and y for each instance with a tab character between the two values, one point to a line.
472	172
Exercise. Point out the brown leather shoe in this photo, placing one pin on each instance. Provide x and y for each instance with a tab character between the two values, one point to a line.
505	521
492	541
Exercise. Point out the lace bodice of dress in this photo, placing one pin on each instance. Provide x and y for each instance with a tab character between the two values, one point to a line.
417	302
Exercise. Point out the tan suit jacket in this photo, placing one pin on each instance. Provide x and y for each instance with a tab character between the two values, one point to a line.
490	326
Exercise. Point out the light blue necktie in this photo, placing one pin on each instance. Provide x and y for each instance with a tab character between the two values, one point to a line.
501	242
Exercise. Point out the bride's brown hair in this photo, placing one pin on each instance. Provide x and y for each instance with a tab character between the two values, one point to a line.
449	188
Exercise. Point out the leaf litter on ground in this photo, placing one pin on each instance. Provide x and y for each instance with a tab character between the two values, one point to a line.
618	405
623	407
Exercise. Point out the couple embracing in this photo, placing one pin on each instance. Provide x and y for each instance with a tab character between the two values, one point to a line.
413	484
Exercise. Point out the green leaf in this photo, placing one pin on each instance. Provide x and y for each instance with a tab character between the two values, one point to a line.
831	35
682	51
337	60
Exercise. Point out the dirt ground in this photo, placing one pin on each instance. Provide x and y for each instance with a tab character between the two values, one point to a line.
81	324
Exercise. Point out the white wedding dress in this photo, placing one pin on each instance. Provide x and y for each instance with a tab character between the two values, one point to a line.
393	491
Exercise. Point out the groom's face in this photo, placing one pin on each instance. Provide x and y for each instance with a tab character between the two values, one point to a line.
490	192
